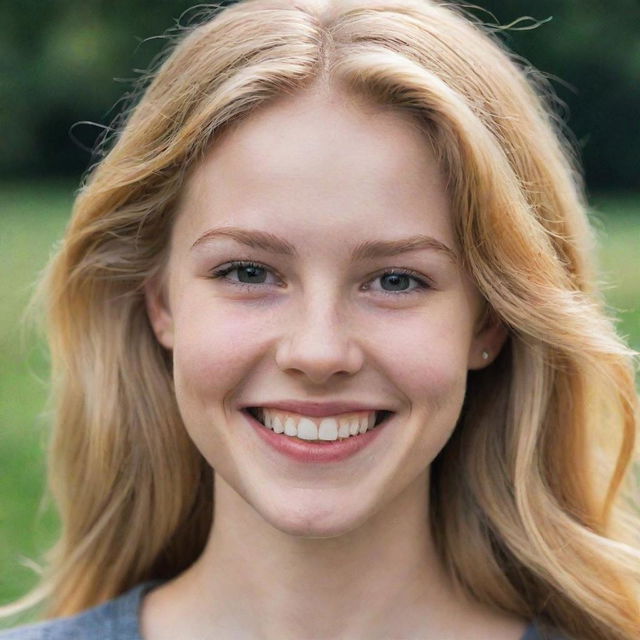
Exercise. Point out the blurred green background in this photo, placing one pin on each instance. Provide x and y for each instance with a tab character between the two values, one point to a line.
66	68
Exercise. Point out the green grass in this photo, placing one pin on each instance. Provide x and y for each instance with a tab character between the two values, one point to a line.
32	218
617	219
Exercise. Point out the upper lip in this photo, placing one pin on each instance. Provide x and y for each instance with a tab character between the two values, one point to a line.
318	409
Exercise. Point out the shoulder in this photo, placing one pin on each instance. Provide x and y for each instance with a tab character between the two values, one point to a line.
116	619
75	628
538	630
91	623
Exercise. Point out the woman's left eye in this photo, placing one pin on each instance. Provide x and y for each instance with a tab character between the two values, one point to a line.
251	274
398	279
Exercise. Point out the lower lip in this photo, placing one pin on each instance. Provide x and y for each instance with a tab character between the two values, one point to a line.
330	451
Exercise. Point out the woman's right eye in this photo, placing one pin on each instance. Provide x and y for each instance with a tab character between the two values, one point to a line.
248	273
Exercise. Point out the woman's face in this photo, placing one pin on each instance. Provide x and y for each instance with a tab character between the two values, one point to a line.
317	317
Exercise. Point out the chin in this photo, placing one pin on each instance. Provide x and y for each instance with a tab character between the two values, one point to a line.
310	517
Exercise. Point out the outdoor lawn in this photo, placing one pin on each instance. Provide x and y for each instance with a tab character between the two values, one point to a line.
32	218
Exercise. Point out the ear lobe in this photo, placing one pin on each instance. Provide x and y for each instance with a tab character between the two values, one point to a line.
158	311
487	341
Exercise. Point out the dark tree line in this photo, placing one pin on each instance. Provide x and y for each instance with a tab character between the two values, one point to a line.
65	63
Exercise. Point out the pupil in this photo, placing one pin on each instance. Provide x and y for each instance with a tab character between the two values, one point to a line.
253	274
396	279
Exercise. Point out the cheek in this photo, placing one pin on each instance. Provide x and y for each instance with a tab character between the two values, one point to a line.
427	358
428	364
212	349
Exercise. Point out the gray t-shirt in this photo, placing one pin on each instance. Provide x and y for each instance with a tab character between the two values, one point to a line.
119	619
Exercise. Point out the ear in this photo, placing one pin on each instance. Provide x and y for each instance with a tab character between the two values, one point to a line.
489	338
158	311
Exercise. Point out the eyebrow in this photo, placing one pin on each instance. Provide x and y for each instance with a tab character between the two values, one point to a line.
364	250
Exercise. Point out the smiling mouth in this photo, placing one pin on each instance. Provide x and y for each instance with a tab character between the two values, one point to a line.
319	430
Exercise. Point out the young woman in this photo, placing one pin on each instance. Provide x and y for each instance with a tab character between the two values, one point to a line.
328	353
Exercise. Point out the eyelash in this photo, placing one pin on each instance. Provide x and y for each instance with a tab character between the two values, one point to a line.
223	271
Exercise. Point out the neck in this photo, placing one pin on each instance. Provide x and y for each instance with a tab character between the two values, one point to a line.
253	580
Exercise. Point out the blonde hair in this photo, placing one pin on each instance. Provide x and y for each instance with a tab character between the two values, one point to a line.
531	499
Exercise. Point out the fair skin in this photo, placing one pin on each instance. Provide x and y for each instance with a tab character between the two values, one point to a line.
337	549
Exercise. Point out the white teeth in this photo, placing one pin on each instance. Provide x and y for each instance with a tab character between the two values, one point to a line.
277	425
290	428
307	429
329	428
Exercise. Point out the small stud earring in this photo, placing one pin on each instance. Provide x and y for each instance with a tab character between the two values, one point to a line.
485	355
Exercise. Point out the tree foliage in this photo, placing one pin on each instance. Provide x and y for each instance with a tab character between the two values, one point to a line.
65	66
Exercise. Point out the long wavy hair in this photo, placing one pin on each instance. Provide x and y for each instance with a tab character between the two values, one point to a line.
532	499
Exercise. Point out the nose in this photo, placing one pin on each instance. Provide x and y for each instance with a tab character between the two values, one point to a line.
317	342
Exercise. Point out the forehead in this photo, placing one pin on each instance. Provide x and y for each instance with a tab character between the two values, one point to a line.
322	156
